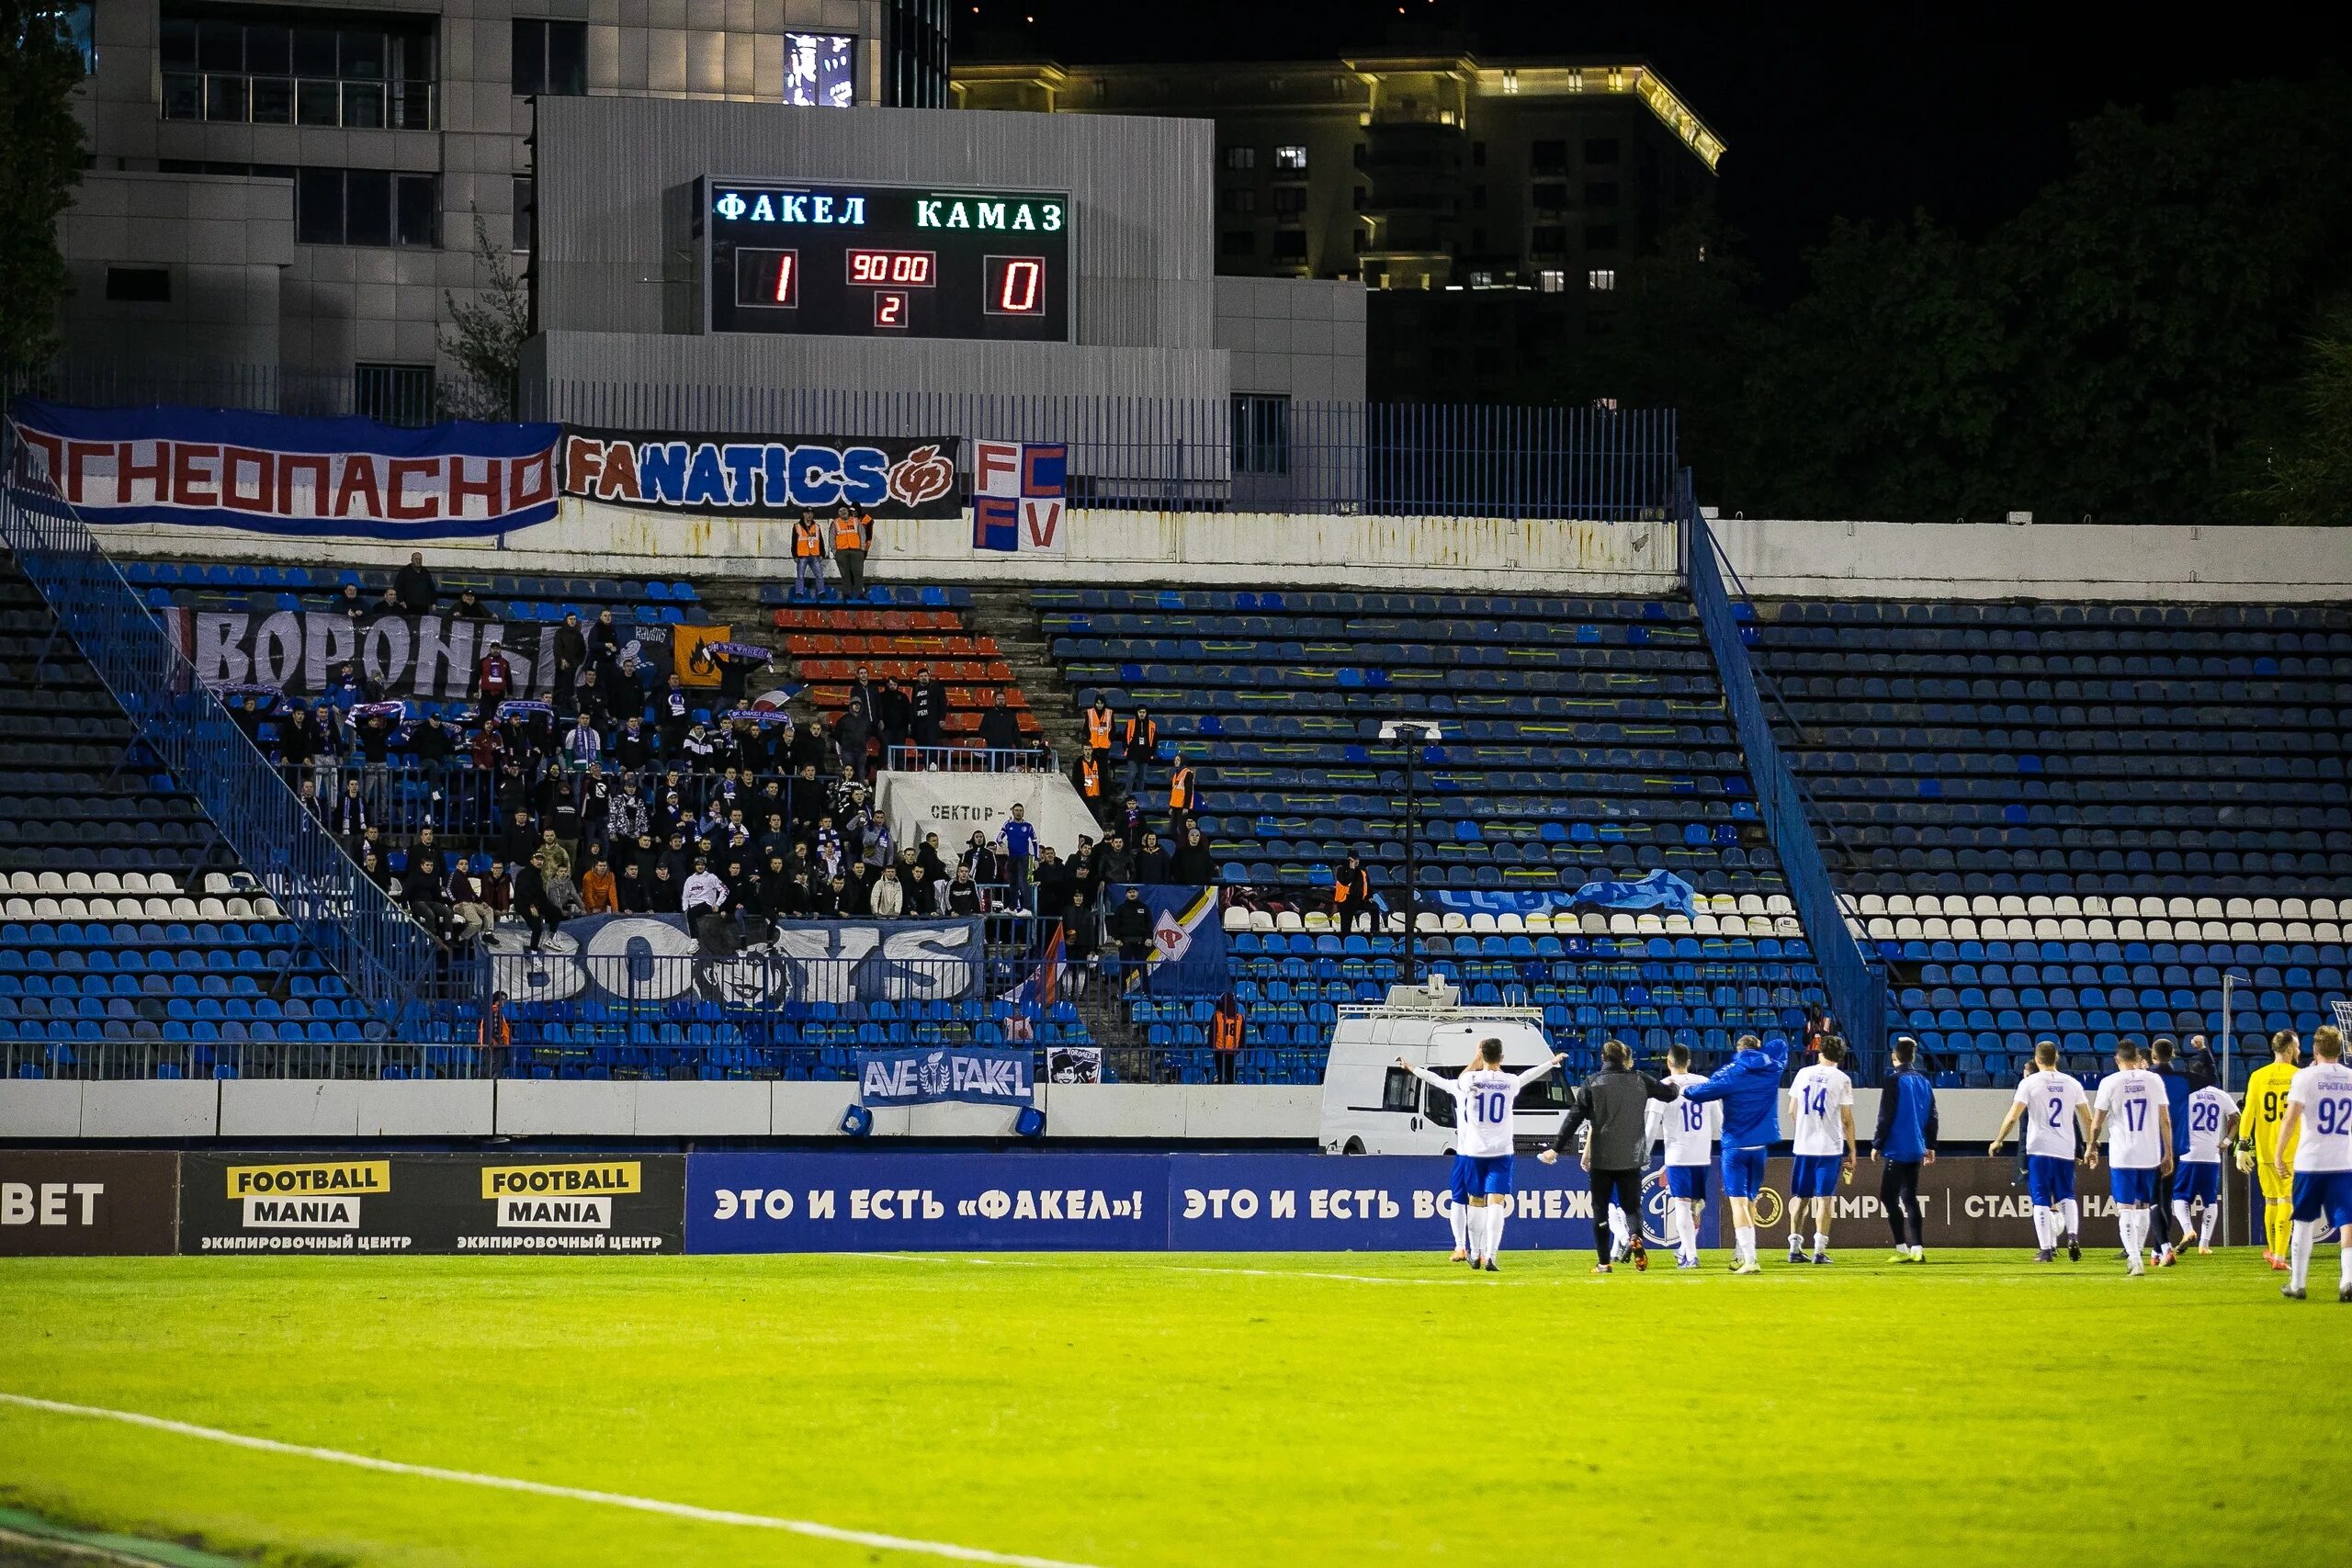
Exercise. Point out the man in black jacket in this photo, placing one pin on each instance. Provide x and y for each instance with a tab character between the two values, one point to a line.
1130	926
413	585
1615	1102
1192	865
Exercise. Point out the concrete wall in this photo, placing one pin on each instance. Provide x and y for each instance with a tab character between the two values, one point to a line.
346	1109
2039	560
223	242
1293	336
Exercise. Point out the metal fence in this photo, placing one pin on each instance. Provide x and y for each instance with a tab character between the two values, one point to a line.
385	956
1252	453
1857	988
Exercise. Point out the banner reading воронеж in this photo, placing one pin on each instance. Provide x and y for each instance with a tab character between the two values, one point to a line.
762	476
274	474
433	1203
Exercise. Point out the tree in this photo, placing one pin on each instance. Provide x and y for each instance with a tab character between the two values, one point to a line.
2304	476
40	163
484	338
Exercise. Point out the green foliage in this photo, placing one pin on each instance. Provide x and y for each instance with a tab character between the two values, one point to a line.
485	336
2126	347
2303	474
41	162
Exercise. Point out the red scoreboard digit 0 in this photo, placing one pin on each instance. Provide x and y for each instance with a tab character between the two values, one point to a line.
1013	286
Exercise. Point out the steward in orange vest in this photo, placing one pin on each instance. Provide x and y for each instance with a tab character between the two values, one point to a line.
1098	728
1226	1030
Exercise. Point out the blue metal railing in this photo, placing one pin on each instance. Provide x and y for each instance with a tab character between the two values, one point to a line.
1857	988
1249	452
388	959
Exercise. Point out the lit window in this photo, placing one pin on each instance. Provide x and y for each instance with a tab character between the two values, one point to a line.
1602	277
1551	280
1291	159
1482	280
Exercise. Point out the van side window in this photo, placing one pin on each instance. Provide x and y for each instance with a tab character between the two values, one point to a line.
1402	1092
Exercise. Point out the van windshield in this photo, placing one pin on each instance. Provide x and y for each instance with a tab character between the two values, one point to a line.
1549	1093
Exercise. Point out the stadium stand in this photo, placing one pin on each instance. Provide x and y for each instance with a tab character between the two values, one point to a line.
2070	820
213	585
1585	738
914	628
130	943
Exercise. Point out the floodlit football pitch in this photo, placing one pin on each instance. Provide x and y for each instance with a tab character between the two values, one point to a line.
1134	1411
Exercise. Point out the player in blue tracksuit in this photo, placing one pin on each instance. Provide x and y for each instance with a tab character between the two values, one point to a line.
1905	1140
1748	1086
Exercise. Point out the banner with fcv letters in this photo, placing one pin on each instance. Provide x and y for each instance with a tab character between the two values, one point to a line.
432	1203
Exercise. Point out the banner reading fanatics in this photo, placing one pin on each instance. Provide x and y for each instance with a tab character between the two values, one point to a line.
762	476
272	474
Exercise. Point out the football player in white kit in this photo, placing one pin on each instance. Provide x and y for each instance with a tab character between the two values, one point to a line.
2319	1104
2197	1184
2054	1108
2133	1110
1821	1101
1483	1097
1688	1130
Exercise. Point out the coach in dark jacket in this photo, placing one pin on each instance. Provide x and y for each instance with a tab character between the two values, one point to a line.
1615	1102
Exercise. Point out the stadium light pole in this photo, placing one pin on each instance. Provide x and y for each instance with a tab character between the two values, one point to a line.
1429	735
2228	978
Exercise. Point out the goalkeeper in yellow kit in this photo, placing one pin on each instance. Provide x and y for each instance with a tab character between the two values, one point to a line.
2265	1106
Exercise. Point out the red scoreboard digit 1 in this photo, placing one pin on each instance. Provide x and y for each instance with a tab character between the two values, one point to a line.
1013	286
771	278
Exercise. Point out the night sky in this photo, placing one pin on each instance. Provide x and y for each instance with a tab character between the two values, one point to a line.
1831	111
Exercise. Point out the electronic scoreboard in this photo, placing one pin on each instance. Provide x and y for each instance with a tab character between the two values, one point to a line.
887	260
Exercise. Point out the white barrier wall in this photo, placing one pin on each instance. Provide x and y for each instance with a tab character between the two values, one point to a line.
1960	560
955	806
346	1109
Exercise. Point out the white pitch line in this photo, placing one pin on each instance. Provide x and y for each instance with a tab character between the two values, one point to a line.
1189	1269
544	1489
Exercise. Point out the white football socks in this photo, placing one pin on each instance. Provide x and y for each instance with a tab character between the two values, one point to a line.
1820	1242
2134	1226
2184	1219
1455	1214
2070	1213
2205	1231
1747	1247
2344	1246
2044	1223
2298	1253
1618	1229
1685	1229
1496	1214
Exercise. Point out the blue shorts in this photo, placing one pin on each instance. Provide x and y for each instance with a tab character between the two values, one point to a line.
1742	1172
1460	1186
1489	1176
2196	1179
2132	1184
1686	1182
2051	1179
1815	1176
2323	1193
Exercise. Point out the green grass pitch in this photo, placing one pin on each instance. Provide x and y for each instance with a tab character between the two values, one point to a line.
1138	1411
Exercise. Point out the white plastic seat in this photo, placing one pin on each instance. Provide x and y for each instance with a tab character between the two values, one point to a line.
2101	929
1935	928
2240	930
1288	920
1454	921
1706	923
1427	920
1593	923
2271	930
1236	918
2325	909
2238	909
2074	930
47	910
51	883
1787	925
16	909
1963	928
2299	932
73	909
104	881
1676	925
1482	922
219	882
1541	921
2211	910
1908	928
162	881
101	909
2093	904
212	910
2130	931
2008	906
1510	923
1901	903
1778	904
77	882
2160	930
1316	921
1752	904
2327	933
1878	927
1261	920
2294	909
1621	924
2266	909
134	881
1870	904
23	881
